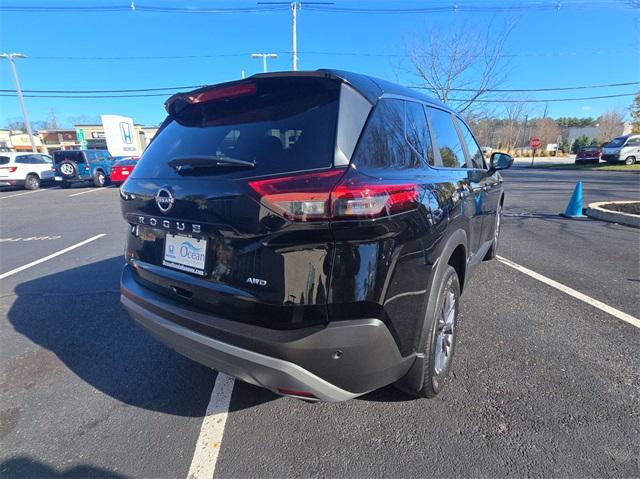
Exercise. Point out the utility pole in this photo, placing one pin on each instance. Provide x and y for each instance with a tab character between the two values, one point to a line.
264	57
294	29
294	37
27	124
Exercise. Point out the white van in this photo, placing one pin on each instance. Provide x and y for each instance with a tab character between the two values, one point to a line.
622	149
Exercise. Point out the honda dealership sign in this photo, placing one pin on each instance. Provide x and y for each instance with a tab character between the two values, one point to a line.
120	135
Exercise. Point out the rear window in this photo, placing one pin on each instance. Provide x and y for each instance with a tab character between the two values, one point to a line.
4	160
60	156
125	163
287	124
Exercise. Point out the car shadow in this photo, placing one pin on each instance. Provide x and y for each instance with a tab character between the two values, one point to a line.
76	314
26	467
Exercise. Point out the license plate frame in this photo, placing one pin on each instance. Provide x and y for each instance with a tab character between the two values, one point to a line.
185	253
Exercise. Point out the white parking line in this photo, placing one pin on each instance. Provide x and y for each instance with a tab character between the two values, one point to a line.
88	191
47	258
20	194
205	456
627	318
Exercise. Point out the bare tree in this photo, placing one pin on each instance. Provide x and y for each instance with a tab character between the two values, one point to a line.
610	125
15	124
547	130
511	133
460	63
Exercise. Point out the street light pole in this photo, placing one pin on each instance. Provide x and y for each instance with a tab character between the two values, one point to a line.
264	57
27	124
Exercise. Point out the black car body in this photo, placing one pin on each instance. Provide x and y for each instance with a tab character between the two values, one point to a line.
321	216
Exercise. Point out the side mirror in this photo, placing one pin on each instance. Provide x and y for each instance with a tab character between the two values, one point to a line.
500	161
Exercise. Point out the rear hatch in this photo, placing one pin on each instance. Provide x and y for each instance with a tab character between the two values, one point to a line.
211	220
75	156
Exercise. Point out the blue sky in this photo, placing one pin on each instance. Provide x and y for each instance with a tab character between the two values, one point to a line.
582	43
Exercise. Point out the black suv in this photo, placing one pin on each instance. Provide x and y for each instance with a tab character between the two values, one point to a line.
310	232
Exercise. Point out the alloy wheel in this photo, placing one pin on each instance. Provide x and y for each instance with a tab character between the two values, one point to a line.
445	333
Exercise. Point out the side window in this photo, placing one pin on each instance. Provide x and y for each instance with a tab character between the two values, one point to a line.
417	130
447	141
24	159
475	153
633	141
382	143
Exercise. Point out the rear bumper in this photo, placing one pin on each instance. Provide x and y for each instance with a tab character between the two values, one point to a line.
337	362
10	182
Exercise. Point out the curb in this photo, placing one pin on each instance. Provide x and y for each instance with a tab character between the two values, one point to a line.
596	211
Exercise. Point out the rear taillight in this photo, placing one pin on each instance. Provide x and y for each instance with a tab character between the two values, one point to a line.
335	194
10	169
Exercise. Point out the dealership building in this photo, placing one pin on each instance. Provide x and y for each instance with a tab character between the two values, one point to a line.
48	141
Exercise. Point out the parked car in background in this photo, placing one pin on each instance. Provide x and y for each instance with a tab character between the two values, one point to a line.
310	232
122	168
25	170
589	154
623	149
74	166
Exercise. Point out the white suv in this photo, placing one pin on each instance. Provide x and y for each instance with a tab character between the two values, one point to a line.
26	169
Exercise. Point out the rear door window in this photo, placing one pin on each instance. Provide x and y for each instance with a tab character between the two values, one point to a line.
449	151
475	153
97	155
383	144
287	124
25	159
417	131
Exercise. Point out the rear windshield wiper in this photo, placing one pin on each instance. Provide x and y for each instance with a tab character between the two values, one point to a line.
204	161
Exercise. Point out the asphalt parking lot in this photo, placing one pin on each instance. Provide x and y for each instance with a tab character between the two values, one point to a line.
544	383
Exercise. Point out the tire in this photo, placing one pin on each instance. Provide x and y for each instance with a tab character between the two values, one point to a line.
630	160
68	169
31	182
65	185
439	344
99	179
493	251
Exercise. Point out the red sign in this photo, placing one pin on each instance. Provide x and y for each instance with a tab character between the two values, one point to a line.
534	143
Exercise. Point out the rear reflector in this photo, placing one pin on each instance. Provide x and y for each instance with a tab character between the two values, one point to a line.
335	194
223	92
291	392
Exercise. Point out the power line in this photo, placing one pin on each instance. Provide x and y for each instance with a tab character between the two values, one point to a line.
133	7
490	90
441	7
528	54
551	100
522	90
457	7
89	96
131	90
